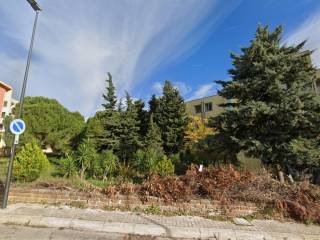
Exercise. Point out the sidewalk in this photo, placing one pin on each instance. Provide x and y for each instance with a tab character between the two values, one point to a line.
180	227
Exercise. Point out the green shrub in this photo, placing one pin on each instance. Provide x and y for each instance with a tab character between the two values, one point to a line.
109	163
146	160
103	165
183	160
86	157
164	167
30	163
68	166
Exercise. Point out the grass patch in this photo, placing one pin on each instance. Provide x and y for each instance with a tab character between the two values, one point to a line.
153	209
78	204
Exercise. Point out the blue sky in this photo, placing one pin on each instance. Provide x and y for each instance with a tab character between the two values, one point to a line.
141	42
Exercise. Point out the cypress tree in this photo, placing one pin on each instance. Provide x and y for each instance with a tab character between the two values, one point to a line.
110	97
153	105
142	116
111	119
172	119
129	135
274	116
153	137
94	130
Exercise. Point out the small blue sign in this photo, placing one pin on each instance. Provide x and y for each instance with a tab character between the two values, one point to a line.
17	126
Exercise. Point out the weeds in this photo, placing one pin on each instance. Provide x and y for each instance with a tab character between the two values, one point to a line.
153	209
78	204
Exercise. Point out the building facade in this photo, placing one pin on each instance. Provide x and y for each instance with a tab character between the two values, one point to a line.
6	105
210	106
205	107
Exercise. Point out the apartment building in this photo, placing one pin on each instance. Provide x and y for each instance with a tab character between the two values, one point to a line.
205	107
6	105
209	106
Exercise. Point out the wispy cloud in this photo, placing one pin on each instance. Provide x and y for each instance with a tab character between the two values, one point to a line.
157	88
76	44
184	88
204	91
309	30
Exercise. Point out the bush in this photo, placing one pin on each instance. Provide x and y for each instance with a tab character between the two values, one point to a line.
30	163
164	167
68	167
103	165
86	157
109	163
146	160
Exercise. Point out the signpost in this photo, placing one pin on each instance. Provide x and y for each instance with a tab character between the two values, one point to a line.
18	126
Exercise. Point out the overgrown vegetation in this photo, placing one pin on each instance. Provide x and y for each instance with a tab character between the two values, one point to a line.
127	147
30	163
274	115
228	185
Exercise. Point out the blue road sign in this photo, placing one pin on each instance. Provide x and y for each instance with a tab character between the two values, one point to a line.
17	126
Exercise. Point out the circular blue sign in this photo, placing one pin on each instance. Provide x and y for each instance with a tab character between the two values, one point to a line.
17	126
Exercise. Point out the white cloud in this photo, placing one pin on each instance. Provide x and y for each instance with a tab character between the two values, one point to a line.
183	87
204	91
157	88
76	44
309	30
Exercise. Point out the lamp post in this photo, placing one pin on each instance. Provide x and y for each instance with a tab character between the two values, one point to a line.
37	9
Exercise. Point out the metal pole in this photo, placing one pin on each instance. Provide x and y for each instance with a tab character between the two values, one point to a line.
14	144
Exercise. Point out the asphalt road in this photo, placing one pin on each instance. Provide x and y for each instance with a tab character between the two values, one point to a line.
15	232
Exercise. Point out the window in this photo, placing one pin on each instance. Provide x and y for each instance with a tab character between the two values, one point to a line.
197	108
5	103
3	114
208	107
1	126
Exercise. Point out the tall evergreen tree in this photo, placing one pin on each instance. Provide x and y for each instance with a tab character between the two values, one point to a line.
111	120
94	130
142	116
153	136
172	119
120	105
153	105
274	115
129	133
110	96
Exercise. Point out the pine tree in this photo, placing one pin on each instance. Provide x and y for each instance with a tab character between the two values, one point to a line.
94	130
129	133
172	119
120	105
110	98
111	119
153	105
153	136
142	116
274	115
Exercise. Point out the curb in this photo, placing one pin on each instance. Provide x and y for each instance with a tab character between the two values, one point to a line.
151	230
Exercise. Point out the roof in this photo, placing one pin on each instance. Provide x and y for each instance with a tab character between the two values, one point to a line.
5	86
202	98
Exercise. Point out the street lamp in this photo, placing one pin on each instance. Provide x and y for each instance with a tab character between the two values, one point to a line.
37	9
34	5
